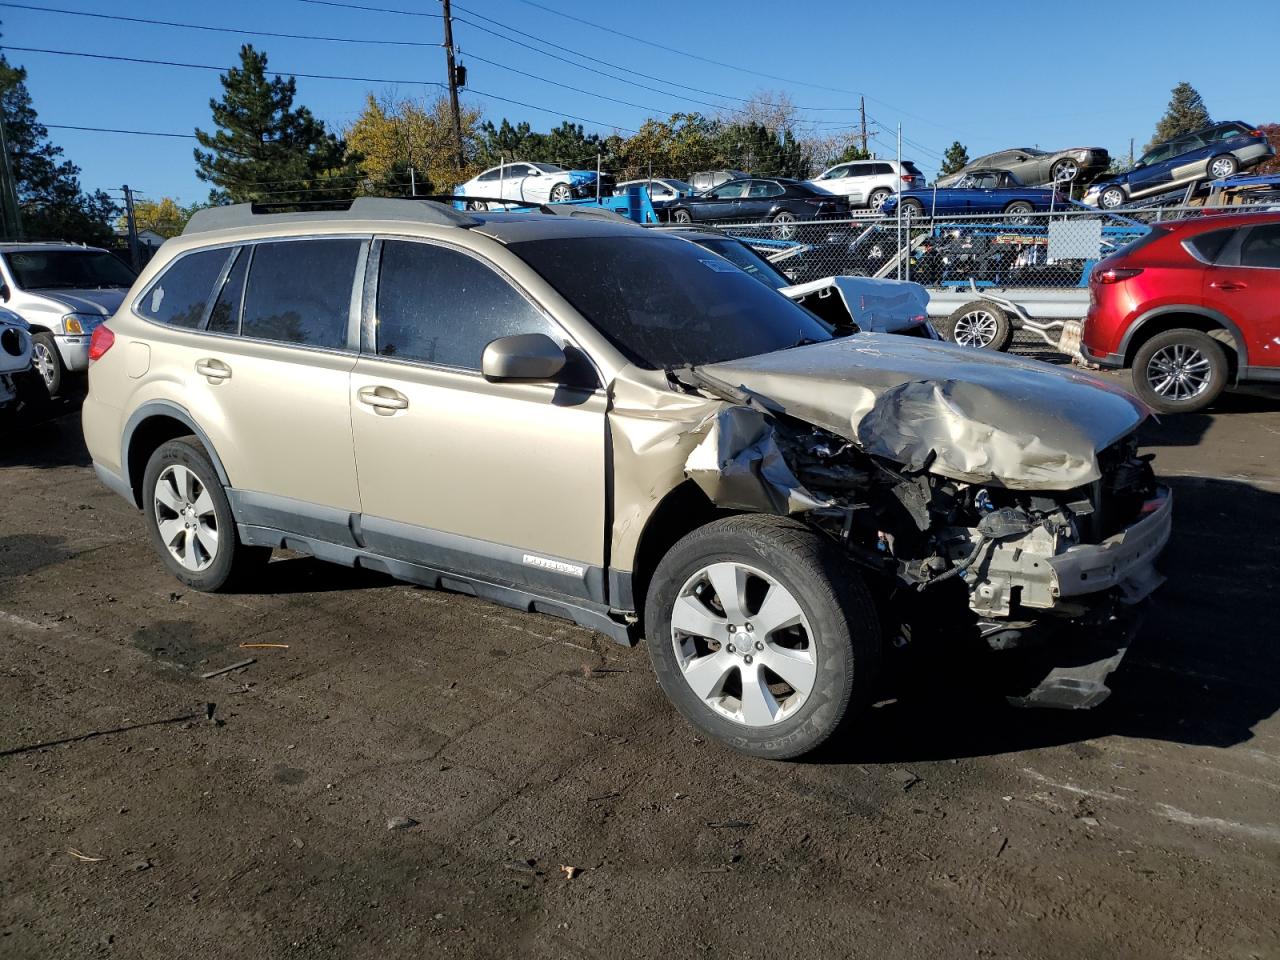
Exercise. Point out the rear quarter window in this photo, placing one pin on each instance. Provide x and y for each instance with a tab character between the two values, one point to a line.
1209	246
179	296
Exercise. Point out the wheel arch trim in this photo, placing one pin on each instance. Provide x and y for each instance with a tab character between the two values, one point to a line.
1207	313
173	411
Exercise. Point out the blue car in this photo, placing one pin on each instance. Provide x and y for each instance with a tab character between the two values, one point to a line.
978	191
1211	153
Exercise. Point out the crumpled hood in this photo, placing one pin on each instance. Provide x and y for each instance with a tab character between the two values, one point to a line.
102	302
967	414
579	177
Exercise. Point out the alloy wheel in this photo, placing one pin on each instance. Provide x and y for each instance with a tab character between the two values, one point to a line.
1222	167
560	193
45	362
977	328
1178	372
186	518
784	226
1065	170
743	644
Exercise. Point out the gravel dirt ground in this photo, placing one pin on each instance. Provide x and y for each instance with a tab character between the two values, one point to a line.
557	807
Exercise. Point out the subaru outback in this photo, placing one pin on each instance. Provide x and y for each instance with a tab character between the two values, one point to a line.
613	426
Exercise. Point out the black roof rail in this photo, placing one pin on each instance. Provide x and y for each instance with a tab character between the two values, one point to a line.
242	215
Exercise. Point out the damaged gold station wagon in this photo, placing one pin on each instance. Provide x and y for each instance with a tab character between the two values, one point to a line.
601	423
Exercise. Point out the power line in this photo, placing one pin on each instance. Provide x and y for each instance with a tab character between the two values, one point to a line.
360	6
136	133
200	26
683	53
314	76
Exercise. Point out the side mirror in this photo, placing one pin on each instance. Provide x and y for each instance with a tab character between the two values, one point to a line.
4	293
531	357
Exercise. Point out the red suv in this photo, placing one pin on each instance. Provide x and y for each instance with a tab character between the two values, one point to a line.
1192	307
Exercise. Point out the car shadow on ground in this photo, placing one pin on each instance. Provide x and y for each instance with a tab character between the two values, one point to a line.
290	573
1204	668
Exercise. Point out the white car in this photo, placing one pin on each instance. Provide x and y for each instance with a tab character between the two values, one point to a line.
868	183
659	188
15	358
63	291
521	182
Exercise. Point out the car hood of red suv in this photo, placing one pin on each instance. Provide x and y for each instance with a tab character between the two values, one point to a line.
960	413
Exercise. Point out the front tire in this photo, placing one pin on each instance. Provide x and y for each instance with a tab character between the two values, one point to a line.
47	362
762	635
560	193
1064	171
1180	371
189	519
1111	198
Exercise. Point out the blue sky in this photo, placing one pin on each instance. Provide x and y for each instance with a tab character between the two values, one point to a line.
992	75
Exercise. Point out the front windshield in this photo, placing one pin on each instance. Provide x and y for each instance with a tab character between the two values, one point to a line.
664	303
747	260
62	269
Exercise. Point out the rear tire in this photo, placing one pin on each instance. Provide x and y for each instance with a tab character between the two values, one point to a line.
877	198
681	215
1223	166
784	226
1019	211
801	662
1180	371
189	519
980	325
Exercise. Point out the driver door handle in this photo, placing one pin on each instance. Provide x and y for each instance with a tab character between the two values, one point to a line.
215	371
383	399
1228	285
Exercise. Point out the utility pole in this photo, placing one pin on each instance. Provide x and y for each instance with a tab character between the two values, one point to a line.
134	254
453	85
862	111
413	183
1131	151
11	220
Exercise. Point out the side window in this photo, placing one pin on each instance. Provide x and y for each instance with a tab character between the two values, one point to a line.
764	188
1208	246
225	315
444	307
299	291
1261	248
731	190
488	175
882	170
179	297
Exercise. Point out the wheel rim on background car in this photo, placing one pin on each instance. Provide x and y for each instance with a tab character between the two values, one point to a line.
878	198
560	193
45	362
1065	170
743	644
682	216
1221	167
1020	212
1178	372
1112	198
784	226
977	328
186	518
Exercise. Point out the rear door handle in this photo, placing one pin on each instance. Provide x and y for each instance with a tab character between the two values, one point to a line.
384	400
215	371
1228	285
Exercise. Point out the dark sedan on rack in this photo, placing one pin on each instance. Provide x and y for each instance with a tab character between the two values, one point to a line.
980	191
783	203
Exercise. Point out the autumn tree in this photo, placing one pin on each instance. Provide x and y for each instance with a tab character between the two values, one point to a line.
392	137
675	147
955	158
265	148
164	217
44	199
1272	133
1186	112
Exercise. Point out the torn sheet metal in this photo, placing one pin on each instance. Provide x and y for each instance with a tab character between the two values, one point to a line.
872	305
969	415
739	466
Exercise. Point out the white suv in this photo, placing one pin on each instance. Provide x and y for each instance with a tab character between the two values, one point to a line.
63	291
868	183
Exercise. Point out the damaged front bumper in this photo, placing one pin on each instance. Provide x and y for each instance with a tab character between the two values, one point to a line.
1019	571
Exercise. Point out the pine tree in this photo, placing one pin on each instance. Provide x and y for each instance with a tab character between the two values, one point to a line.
50	203
265	149
956	157
1185	114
